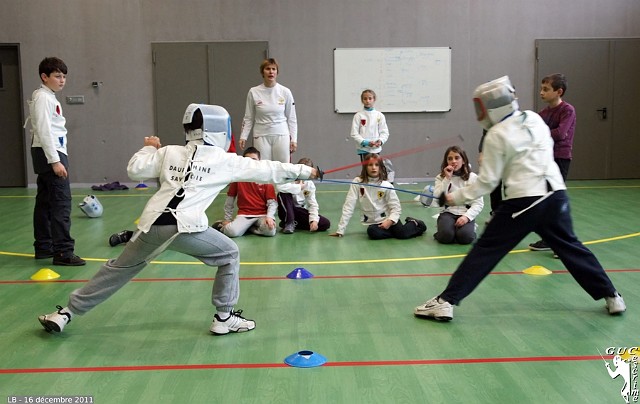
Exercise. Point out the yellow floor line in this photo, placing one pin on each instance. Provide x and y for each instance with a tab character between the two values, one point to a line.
365	261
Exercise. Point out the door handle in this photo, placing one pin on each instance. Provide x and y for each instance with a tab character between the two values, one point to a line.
603	113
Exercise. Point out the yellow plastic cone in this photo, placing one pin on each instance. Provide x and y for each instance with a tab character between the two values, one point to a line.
45	274
537	270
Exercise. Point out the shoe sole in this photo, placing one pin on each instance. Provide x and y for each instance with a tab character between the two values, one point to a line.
539	249
616	311
231	331
439	318
68	264
49	326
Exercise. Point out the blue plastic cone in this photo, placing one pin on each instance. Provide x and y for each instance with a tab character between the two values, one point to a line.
299	273
305	359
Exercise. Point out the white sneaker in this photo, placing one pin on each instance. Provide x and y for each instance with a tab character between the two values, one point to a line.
234	323
56	320
436	308
615	304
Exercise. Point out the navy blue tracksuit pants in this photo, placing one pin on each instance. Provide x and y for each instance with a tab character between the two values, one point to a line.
52	210
550	219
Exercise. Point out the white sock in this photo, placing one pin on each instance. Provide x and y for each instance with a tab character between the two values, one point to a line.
223	315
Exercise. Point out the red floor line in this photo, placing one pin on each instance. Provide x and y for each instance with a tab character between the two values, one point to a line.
416	362
280	278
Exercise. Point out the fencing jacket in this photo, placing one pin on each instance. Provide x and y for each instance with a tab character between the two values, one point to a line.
470	210
210	170
518	150
369	125
377	204
47	124
305	198
270	111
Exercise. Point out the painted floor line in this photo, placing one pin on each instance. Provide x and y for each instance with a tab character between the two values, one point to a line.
413	362
283	278
367	261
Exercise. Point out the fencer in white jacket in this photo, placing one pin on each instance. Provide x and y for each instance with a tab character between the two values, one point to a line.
518	150
174	218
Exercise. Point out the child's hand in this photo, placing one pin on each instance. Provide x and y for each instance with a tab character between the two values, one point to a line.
313	226
271	224
448	171
386	224
59	169
152	141
462	220
335	235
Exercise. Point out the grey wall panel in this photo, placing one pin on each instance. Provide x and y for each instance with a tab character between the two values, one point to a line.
111	42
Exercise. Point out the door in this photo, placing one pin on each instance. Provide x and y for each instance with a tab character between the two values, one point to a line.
588	90
603	87
180	77
219	73
12	152
236	68
625	140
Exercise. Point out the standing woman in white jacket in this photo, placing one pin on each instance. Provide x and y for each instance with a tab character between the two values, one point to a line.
271	113
456	223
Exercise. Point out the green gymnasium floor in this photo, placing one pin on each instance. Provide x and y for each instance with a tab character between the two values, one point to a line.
517	338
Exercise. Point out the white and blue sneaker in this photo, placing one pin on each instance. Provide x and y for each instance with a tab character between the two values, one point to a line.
57	320
436	308
234	323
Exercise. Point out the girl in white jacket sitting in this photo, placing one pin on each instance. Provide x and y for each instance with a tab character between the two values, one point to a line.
456	224
379	204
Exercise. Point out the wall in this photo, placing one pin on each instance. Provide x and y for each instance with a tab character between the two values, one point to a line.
110	41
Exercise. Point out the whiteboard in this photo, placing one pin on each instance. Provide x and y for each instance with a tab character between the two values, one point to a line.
404	79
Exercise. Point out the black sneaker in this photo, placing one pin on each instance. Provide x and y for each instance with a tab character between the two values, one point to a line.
218	225
68	261
539	246
120	238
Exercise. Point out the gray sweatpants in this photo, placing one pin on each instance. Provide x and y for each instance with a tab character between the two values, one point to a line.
210	246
